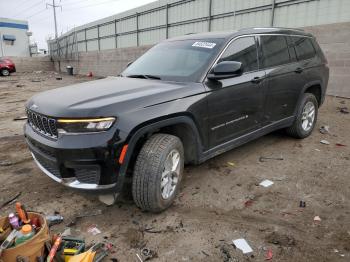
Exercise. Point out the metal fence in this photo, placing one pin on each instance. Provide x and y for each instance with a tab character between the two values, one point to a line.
168	18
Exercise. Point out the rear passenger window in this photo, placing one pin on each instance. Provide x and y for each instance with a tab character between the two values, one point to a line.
242	50
274	51
303	47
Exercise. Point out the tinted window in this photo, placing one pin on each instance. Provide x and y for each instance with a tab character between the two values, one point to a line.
242	50
303	47
185	60
274	50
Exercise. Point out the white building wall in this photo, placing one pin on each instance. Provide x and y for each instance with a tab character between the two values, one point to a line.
18	29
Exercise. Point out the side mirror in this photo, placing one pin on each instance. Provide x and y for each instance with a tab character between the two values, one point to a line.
226	69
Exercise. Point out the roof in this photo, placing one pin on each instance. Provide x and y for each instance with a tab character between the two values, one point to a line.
245	31
12	23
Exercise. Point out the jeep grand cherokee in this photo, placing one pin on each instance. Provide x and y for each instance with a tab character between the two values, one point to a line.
186	100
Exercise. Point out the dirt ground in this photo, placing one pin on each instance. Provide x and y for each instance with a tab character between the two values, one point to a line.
212	207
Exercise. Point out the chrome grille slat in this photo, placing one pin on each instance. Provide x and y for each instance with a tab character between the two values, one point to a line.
43	124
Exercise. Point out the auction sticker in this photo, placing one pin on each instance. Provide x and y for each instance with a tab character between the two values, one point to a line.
204	44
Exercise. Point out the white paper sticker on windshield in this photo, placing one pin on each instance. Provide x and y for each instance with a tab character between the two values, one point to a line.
204	44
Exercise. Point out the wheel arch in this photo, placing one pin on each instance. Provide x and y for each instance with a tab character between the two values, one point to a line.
180	125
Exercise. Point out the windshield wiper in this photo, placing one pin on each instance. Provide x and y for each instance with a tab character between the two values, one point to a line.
144	76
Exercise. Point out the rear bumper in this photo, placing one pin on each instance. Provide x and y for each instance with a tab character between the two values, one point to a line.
78	166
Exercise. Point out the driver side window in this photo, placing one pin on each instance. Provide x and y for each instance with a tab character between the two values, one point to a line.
242	50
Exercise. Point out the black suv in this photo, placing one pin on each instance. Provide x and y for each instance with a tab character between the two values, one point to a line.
184	101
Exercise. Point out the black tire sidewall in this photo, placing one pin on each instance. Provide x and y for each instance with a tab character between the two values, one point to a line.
306	98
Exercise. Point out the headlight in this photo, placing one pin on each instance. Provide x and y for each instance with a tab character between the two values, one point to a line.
84	125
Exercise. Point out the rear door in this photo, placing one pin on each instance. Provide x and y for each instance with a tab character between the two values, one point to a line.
236	104
283	80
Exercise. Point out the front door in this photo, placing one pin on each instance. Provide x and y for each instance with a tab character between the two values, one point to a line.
236	104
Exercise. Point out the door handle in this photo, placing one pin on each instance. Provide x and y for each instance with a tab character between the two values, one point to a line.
299	70
257	79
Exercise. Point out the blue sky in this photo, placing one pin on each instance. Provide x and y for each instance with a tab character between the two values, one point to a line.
74	13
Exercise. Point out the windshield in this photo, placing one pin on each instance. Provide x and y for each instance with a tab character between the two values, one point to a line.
184	61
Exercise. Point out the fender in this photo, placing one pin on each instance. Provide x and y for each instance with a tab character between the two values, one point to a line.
141	130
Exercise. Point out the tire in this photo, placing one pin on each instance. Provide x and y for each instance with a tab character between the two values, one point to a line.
5	72
151	164
299	129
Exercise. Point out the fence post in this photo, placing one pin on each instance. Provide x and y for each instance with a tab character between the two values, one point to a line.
167	21
98	37
209	17
116	33
273	12
85	41
137	29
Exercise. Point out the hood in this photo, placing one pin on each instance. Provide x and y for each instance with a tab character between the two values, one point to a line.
109	96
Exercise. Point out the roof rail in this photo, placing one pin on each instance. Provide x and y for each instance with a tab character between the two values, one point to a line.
285	28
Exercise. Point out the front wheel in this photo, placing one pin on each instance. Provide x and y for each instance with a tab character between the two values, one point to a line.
306	117
158	172
5	72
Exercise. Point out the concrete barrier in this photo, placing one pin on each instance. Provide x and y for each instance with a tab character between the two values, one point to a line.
30	64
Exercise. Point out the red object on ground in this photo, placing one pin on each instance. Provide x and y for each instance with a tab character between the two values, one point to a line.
269	254
89	74
248	203
339	144
7	64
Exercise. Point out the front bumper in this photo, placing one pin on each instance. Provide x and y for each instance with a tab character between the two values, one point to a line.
84	162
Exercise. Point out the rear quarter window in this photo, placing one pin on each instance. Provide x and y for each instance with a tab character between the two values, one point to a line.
303	47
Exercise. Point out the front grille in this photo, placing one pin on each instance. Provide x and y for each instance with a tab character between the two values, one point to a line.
45	125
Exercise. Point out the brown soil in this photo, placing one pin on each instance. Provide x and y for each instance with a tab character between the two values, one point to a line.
210	210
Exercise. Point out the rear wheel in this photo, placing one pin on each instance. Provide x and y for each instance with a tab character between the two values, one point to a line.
5	72
158	172
306	117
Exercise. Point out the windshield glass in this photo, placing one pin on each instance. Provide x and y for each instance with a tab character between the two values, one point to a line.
184	61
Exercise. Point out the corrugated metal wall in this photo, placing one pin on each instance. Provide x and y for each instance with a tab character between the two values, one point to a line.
163	19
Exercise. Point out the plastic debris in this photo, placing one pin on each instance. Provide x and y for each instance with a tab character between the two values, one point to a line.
316	149
324	142
54	220
339	144
324	130
269	254
242	245
263	158
343	110
248	203
266	183
94	230
231	164
317	218
302	203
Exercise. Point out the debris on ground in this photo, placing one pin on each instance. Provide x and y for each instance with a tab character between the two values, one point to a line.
243	245
10	200
148	254
20	85
84	214
94	230
54	219
281	239
231	164
324	130
36	80
5	163
266	183
317	218
324	142
20	118
343	110
59	78
302	203
339	144
269	254
248	203
263	158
